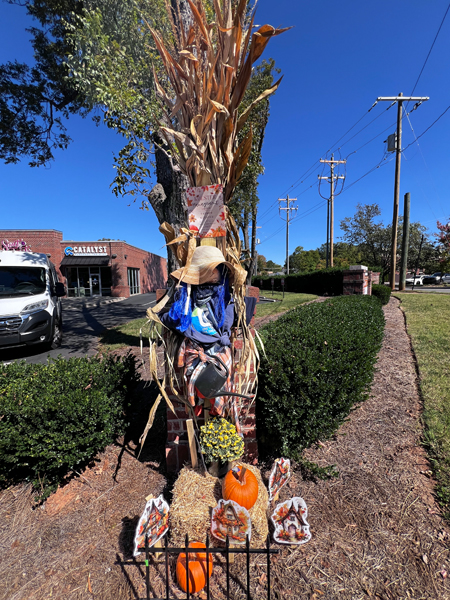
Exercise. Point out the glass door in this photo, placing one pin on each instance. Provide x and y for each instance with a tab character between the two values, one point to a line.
94	274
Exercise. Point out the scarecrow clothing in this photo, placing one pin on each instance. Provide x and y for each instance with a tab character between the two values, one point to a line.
210	334
193	358
203	340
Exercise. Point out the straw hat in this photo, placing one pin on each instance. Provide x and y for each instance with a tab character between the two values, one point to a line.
204	260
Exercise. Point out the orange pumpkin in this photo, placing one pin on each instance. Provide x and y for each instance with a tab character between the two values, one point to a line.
241	486
197	569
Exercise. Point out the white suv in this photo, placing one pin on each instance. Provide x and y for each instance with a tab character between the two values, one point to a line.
30	305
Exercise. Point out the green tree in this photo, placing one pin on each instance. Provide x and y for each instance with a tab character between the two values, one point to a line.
344	254
373	239
244	204
35	100
443	249
272	266
261	263
303	260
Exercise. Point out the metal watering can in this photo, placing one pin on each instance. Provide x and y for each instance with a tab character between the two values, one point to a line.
212	378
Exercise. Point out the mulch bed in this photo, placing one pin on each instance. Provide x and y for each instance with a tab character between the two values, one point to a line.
376	529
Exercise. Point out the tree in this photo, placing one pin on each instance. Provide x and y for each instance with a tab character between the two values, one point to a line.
106	55
373	239
35	99
344	254
244	204
261	263
303	260
272	266
444	244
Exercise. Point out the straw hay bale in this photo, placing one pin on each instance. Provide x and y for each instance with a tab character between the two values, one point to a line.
195	494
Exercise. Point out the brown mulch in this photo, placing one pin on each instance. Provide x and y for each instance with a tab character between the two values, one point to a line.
376	529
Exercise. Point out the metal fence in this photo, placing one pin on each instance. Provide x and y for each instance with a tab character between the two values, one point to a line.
166	550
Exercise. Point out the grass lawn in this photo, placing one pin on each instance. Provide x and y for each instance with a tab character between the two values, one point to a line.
428	322
290	301
128	334
124	335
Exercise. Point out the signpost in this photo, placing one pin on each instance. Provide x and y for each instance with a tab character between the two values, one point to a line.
272	281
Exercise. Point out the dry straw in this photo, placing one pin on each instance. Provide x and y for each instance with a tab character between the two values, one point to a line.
195	495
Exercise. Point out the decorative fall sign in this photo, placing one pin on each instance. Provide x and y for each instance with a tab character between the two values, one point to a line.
230	519
206	211
289	519
280	475
154	523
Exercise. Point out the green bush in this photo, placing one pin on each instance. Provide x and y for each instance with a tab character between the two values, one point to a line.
382	292
320	363
326	282
55	417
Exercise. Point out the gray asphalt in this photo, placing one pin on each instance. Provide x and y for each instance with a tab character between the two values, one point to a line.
83	322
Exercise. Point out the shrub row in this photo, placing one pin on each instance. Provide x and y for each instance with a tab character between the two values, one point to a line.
57	416
383	292
320	362
326	282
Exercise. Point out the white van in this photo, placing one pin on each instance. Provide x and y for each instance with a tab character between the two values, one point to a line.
30	305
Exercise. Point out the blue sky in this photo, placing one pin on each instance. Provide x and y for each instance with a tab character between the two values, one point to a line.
337	60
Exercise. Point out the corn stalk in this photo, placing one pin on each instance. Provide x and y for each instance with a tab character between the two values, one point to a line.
207	71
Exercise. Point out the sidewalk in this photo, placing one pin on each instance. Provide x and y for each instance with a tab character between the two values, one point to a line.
91	302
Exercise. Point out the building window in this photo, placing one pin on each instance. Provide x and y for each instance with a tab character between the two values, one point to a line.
134	281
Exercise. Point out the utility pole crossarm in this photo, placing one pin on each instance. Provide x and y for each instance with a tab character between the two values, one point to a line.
288	208
330	204
403	98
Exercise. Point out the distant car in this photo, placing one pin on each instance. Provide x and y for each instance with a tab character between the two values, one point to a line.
433	279
446	278
418	280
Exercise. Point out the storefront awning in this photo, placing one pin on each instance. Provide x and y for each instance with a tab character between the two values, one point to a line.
85	261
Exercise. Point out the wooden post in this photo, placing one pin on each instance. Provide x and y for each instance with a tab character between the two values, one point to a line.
207	406
192	444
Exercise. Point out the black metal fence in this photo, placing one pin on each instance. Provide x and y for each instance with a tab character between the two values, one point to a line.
166	550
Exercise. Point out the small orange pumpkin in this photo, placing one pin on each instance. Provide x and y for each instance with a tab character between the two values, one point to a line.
197	569
241	486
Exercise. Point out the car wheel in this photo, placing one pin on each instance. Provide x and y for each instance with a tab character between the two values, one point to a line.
56	338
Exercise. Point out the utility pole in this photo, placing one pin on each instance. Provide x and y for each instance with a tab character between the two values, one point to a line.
288	210
330	205
405	244
398	149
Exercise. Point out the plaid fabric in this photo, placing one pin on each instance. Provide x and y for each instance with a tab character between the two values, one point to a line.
193	359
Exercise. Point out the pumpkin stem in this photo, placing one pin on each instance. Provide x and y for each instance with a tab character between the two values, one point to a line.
242	472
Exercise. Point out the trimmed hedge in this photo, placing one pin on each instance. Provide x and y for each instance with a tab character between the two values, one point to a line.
327	282
56	417
382	292
320	363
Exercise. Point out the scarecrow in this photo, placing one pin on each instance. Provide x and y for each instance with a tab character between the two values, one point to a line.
204	71
203	312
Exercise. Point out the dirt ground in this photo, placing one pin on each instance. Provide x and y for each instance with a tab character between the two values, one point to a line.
376	529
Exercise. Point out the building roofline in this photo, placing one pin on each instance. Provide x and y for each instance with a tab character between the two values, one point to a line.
14	229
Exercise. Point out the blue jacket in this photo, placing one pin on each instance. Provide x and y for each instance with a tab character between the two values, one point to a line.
223	336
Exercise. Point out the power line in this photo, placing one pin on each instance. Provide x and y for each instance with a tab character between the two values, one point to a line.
426	165
432	45
427	129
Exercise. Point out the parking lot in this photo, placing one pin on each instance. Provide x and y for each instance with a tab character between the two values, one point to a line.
83	321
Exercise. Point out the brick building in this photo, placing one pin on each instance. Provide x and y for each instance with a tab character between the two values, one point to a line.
95	268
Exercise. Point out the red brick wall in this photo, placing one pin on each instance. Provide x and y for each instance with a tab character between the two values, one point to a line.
47	241
152	268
